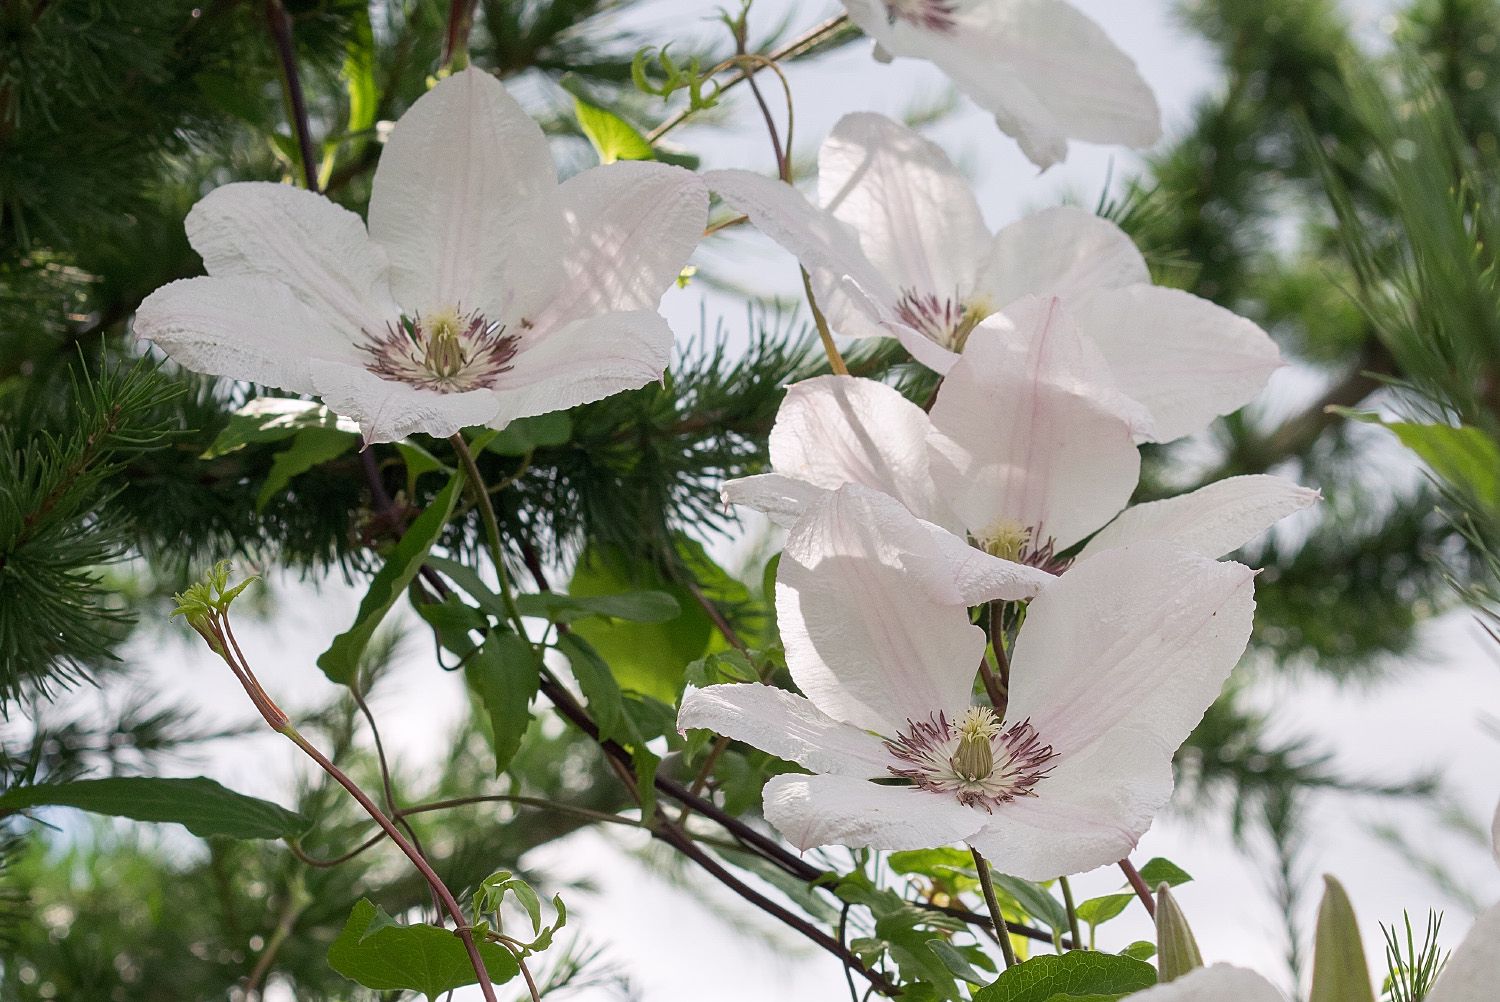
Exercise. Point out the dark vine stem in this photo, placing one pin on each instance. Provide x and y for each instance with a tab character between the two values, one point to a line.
286	54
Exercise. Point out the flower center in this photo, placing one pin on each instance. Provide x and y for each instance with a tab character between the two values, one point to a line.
979	760
934	15
948	322
447	351
1010	540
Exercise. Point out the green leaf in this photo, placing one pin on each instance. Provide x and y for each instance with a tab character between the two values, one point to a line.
418	958
598	685
503	673
1038	901
650	658
612	137
1163	871
956	962
341	661
1075	975
1463	457
200	805
529	434
309	448
1141	949
1340	973
271	419
634	607
1096	911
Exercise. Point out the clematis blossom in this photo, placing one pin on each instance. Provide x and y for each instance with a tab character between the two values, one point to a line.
1025	455
900	249
1042	68
1115	664
480	292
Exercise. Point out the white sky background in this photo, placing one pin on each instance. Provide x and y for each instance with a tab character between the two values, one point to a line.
678	944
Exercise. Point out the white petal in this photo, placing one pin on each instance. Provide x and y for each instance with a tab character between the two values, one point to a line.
1219	983
1090	811
1211	521
1130	645
851	291
244	328
319	250
839	810
1015	448
463	201
1186	359
875	632
1044	336
1473	970
630	229
1046	71
781	499
388	410
787	726
979	577
583	361
1062	251
836	430
922	348
916	216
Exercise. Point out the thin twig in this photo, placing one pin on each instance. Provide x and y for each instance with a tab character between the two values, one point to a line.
793	49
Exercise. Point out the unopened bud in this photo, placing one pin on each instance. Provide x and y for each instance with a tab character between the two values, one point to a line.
1176	948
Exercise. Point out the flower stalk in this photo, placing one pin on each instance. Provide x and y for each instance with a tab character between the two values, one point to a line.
987	884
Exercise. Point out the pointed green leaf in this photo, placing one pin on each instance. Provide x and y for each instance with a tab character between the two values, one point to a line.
1079	974
271	419
1163	871
311	447
606	705
529	434
341	661
504	674
200	805
1037	900
417	958
1340	973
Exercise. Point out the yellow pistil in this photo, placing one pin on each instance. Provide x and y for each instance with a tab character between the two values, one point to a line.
975	310
1005	539
975	759
443	353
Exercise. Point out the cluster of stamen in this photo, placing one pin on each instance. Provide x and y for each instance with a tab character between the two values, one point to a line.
1010	540
934	15
448	351
946	321
979	760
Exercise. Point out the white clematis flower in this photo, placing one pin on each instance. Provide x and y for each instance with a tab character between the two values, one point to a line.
482	290
1043	69
1116	663
900	249
1019	454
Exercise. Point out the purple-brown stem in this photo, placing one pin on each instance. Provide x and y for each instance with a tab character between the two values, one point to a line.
1138	883
286	54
